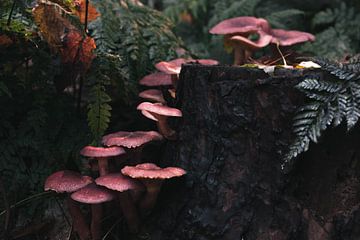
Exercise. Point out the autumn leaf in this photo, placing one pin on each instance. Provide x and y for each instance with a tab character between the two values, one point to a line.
80	11
5	41
78	49
51	24
64	37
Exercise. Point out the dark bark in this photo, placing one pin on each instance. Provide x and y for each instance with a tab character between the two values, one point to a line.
236	124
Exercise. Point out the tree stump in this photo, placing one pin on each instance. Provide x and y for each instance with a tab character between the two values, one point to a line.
236	125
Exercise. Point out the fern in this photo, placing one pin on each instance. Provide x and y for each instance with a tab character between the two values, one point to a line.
333	101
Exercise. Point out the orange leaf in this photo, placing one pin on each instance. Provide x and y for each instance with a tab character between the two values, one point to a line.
80	6
78	49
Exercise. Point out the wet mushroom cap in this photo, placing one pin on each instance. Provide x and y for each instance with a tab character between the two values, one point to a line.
159	109
240	25
168	67
156	79
119	182
151	171
90	151
131	139
153	95
93	194
288	38
66	181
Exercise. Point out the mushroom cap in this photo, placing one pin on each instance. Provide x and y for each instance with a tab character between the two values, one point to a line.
130	139
156	79
263	41
151	171
90	151
288	38
93	194
171	67
119	182
174	66
159	109
152	95
66	181
149	115
240	25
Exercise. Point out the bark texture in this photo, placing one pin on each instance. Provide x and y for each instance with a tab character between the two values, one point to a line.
236	124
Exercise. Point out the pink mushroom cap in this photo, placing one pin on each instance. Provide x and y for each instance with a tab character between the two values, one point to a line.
159	109
119	182
240	25
288	38
153	95
93	194
149	115
263	41
151	171
90	151
131	139
66	181
156	79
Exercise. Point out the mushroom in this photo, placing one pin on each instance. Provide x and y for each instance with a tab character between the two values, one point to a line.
123	184
134	141
94	195
242	26
67	182
153	95
152	177
102	155
173	67
284	38
156	79
160	113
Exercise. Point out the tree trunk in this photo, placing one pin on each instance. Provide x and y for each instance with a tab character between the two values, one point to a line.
236	124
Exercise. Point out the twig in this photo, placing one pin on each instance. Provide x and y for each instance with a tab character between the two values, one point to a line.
86	16
26	200
11	12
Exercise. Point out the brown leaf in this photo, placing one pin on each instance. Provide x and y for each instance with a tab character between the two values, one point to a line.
77	49
80	11
51	25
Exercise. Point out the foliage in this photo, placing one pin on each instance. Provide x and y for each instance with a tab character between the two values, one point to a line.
334	19
331	101
54	82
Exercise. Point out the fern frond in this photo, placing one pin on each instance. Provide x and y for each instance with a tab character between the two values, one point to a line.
334	101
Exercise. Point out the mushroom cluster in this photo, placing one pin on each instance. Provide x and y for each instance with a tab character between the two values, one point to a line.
237	32
119	173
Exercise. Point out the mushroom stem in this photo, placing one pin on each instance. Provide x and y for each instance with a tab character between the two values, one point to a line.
78	219
129	210
164	127
174	80
152	191
239	55
103	166
96	216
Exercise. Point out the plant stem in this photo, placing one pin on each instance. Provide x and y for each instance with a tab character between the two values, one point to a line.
11	12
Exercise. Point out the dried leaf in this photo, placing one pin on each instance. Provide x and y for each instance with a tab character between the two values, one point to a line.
80	11
51	25
77	49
